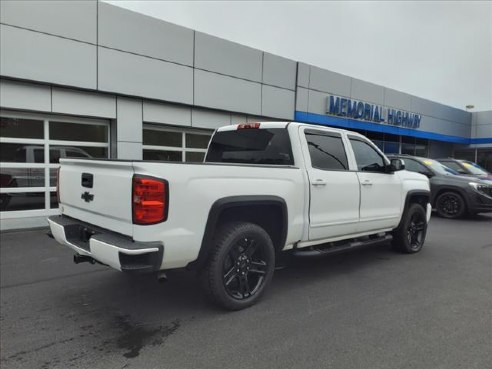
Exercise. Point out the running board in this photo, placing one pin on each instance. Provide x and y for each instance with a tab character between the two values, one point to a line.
337	247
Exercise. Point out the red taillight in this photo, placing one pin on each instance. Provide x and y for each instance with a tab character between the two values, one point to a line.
149	200
248	126
58	185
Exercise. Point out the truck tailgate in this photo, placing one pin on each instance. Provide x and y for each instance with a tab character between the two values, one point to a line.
98	192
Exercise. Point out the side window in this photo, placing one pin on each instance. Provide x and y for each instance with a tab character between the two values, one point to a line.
326	151
414	166
367	158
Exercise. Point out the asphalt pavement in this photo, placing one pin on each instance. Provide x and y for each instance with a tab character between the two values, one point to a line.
371	308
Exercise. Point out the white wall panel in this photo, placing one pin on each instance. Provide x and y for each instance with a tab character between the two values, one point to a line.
278	71
28	96
129	120
317	102
226	57
303	75
202	118
277	102
136	75
44	58
129	150
156	112
83	103
227	93
484	131
70	19
327	81
302	99
365	91
137	33
238	118
397	100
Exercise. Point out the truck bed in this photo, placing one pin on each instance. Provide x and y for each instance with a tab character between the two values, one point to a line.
193	189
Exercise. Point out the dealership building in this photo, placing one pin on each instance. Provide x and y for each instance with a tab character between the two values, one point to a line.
88	79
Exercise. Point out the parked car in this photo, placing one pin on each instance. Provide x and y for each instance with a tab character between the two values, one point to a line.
467	168
452	195
35	153
264	188
32	177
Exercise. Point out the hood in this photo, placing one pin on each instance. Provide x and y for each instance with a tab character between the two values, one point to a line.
487	177
407	175
459	179
484	177
486	180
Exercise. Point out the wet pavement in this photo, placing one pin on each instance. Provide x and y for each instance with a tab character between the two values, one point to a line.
371	308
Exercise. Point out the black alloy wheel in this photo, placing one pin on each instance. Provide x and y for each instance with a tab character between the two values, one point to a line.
416	230
450	205
244	269
240	266
409	237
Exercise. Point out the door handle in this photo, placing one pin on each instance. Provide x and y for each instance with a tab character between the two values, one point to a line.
366	183
87	180
319	182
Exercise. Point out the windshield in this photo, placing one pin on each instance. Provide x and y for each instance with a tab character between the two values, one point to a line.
438	168
474	168
451	170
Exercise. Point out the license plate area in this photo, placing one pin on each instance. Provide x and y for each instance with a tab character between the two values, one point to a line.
79	235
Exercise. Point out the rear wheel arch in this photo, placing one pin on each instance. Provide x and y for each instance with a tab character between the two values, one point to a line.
268	212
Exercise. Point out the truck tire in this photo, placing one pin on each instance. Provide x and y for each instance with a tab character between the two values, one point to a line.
450	205
409	237
240	266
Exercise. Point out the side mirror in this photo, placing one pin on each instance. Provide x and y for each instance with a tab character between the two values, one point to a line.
397	164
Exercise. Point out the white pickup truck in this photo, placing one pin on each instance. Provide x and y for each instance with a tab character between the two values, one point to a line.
264	189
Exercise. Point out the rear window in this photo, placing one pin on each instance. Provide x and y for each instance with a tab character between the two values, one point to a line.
251	146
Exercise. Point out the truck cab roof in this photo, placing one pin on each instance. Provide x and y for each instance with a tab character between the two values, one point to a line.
283	124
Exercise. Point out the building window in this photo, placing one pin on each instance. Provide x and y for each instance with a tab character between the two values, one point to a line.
421	147
482	157
30	149
171	144
377	138
414	146
465	154
408	145
391	144
387	143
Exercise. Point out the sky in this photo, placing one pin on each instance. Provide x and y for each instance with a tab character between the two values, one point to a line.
438	50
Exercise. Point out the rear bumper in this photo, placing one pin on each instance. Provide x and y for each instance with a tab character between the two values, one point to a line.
109	248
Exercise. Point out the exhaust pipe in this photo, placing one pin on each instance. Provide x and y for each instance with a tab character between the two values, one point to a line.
77	259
